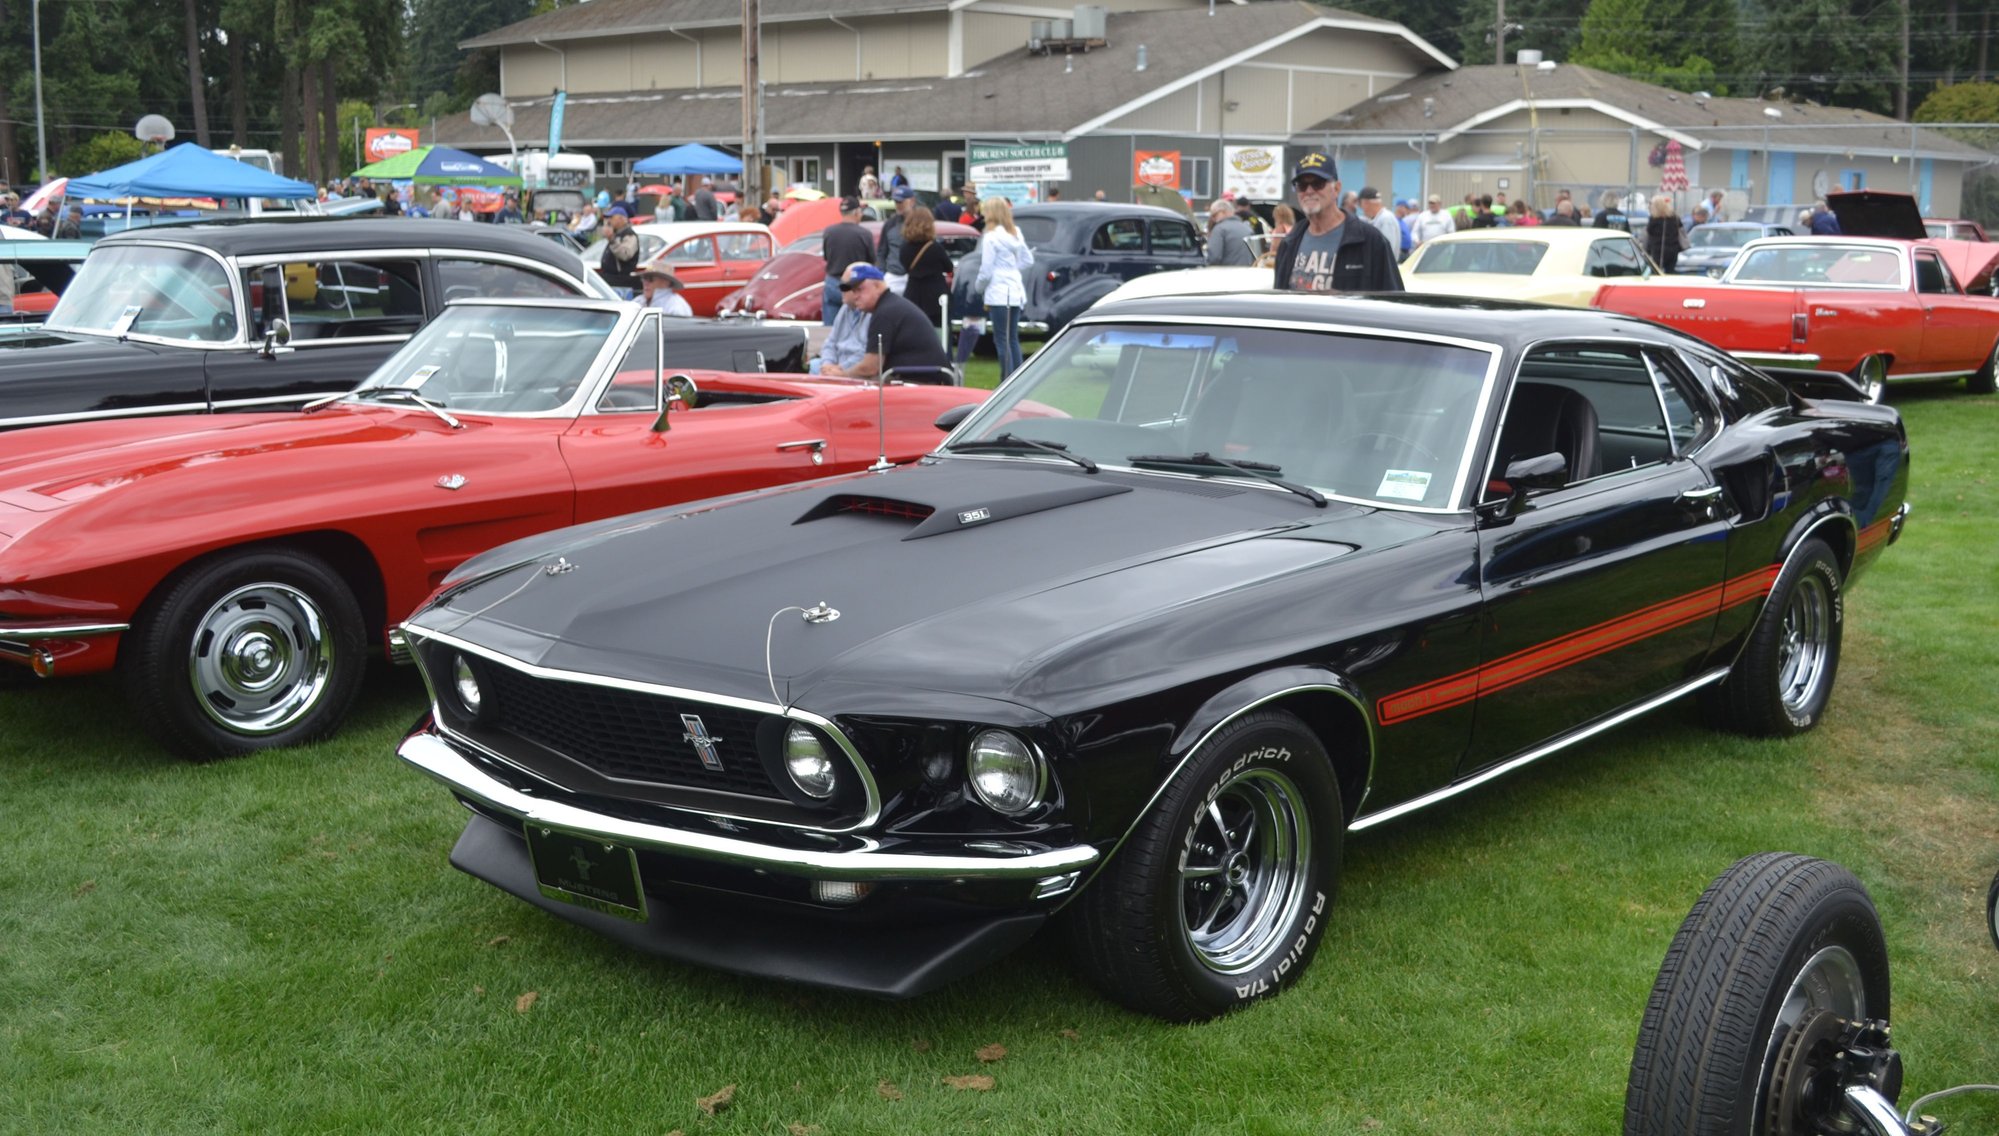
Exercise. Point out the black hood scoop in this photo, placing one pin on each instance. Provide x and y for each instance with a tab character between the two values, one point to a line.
934	518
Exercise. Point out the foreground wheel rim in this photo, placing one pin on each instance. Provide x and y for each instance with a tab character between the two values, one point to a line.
1874	379
1245	872
1804	644
1830	980
260	659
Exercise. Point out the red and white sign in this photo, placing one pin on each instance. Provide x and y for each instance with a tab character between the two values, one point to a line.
388	141
1157	168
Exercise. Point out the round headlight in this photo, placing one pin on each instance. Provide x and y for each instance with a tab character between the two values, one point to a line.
466	683
810	766
1005	772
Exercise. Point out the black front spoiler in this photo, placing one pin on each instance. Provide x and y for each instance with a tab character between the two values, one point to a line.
890	960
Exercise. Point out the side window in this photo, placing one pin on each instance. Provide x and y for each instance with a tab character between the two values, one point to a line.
466	279
1618	256
1690	419
634	383
1120	236
1172	236
346	299
1932	276
745	246
1595	404
1742	390
698	250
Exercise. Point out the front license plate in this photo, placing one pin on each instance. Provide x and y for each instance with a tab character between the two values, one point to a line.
586	871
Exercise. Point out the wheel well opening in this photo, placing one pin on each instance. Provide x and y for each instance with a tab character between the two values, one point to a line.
1341	726
345	554
1839	537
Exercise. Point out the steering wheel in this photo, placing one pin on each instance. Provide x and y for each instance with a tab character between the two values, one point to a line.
1398	440
222	326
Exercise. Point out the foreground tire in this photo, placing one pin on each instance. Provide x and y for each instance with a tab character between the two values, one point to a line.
1221	895
1992	910
1777	946
1986	379
1781	684
245	651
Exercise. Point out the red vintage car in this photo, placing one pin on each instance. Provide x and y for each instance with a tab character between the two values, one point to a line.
1878	308
711	258
235	570
789	286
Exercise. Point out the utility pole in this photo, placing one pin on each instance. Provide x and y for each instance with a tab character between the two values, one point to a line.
1902	85
41	126
1499	35
750	193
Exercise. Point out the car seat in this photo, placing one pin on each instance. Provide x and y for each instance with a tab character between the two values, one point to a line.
1544	418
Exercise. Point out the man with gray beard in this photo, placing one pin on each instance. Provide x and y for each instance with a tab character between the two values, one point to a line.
1325	254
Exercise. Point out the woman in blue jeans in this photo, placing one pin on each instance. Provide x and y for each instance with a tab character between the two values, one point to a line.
1003	261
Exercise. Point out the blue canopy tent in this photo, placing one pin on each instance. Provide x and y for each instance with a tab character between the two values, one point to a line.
186	170
693	158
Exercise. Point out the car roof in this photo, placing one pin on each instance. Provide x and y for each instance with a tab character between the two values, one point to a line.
1547	234
1503	322
332	234
675	230
1094	210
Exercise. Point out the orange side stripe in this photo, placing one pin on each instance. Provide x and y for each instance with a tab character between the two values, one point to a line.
1577	646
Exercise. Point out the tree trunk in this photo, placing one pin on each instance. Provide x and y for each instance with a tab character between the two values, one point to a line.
329	95
1951	49
309	73
197	79
239	95
1902	84
288	122
10	160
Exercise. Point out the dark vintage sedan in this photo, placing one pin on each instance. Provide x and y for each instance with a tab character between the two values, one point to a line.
1711	248
269	315
1210	583
1082	251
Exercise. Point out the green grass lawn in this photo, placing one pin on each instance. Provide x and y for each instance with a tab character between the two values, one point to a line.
276	944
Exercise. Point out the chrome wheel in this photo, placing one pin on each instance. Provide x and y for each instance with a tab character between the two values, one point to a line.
1872	376
260	658
1804	643
1245	874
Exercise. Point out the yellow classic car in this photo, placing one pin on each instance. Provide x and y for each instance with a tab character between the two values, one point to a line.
1547	264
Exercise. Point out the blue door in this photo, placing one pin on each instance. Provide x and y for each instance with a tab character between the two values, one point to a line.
1406	182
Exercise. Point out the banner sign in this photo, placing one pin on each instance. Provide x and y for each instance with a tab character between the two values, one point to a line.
1013	163
1015	192
388	141
1253	171
1160	168
555	122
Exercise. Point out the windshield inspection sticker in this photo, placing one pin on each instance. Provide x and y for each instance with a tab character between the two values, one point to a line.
421	376
1404	484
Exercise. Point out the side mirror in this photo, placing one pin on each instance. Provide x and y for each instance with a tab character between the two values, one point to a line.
277	337
669	390
948	421
1522	478
272	278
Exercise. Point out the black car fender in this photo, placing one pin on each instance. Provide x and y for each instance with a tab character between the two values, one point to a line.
1331	705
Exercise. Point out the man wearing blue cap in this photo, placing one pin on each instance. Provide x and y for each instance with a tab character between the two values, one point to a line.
1325	254
900	336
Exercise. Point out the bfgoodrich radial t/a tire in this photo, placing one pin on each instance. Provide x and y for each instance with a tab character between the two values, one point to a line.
1778	945
1221	895
245	651
1783	680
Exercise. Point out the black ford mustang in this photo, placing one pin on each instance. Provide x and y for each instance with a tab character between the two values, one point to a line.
1210	583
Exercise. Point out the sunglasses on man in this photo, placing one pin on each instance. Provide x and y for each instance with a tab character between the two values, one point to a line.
1311	185
849	285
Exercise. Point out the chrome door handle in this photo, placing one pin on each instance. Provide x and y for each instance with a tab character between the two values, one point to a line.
817	444
1705	496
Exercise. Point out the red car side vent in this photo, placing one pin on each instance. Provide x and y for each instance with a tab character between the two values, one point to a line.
1800	325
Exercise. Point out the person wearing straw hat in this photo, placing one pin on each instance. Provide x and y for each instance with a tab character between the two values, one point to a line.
662	291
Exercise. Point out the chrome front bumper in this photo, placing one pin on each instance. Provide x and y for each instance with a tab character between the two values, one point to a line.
436	757
18	641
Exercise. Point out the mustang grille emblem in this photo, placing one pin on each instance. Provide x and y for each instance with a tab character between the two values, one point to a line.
704	744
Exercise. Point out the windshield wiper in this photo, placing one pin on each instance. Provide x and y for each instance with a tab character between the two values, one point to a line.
408	394
1011	441
1264	470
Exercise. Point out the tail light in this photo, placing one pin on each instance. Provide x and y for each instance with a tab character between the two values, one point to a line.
1799	326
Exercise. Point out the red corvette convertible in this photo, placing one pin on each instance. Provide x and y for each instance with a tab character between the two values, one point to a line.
234	570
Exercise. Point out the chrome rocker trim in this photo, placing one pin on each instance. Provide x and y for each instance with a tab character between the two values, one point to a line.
436	758
35	633
1538	752
1778	359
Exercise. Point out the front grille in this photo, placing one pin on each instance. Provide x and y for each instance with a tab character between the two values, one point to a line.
631	736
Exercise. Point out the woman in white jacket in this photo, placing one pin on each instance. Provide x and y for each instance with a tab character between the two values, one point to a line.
1003	258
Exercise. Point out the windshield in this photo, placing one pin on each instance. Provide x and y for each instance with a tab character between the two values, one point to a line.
1820	265
1503	257
1357	416
142	290
516	360
1710	237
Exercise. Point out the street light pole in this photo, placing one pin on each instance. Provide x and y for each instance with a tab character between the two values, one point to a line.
41	127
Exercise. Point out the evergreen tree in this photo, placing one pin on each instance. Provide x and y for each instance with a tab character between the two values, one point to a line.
1668	42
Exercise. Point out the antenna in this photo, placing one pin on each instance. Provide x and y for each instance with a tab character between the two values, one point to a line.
881	409
492	110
